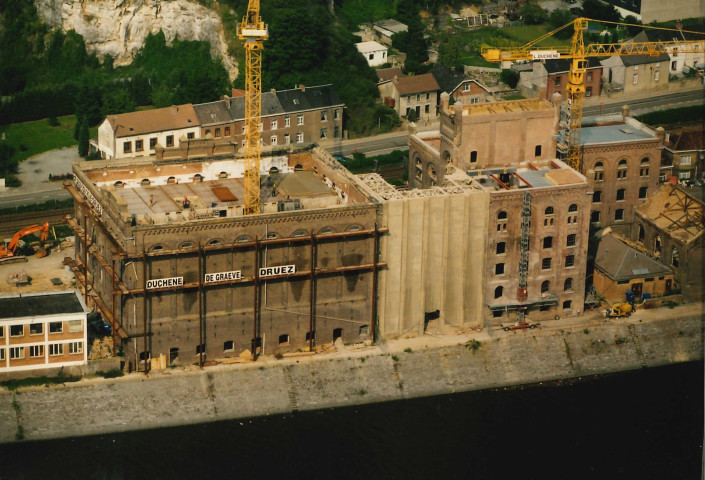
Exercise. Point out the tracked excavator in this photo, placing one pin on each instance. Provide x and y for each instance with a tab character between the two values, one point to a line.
8	250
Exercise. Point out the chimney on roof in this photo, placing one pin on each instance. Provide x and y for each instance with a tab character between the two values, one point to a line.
395	79
661	134
625	112
302	87
226	99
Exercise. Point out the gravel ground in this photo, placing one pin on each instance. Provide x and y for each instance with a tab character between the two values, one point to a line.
34	172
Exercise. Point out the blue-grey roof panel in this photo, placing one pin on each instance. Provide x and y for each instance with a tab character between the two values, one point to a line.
611	134
537	178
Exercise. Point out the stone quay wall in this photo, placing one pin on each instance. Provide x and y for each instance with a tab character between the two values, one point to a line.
394	370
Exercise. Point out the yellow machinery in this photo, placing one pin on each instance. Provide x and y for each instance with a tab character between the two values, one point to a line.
252	31
620	310
577	53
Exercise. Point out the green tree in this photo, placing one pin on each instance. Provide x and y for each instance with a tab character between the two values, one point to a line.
7	165
509	77
600	11
77	127
162	96
533	14
83	139
117	100
449	53
633	30
558	18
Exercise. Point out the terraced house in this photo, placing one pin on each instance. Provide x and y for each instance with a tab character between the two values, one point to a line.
300	115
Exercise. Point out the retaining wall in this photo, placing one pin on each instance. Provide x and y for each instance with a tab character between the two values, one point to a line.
375	375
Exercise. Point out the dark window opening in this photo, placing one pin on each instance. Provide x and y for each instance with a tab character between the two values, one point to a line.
228	345
498	292
337	333
284	340
570	260
499	269
545	285
310	336
173	355
568	285
547	242
497	313
537	151
501	246
567	304
200	348
473	156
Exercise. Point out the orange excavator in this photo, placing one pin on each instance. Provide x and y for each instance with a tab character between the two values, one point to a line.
8	251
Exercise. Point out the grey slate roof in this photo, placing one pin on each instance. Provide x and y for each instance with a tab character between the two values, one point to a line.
562	65
270	106
621	262
630	60
308	98
16	306
448	79
213	112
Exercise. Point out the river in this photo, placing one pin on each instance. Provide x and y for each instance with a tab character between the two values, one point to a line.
646	424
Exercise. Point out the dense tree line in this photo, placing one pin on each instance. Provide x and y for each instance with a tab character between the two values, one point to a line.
49	74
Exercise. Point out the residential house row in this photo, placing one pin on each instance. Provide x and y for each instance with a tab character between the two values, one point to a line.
300	115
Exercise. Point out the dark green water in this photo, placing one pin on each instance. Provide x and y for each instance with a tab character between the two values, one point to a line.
638	425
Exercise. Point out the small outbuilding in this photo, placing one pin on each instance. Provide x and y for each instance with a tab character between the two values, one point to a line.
375	53
621	267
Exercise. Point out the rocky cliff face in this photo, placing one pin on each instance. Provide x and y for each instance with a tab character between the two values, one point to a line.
119	27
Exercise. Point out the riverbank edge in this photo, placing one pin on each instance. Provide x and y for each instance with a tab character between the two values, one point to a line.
385	372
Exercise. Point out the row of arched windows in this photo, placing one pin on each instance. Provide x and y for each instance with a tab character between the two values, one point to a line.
198	178
545	287
622	169
248	238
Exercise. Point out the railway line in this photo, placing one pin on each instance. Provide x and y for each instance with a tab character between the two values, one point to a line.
9	224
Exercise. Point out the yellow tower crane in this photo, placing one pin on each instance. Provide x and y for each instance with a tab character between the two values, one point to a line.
577	53
252	31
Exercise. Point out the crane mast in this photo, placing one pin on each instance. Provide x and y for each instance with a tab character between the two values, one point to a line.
252	31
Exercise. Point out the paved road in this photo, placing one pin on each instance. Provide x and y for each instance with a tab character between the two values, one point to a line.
371	146
639	106
31	198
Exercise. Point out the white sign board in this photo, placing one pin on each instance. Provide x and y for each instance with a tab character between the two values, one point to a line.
222	276
274	271
165	283
545	55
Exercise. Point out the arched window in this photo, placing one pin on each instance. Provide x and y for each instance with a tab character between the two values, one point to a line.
243	239
198	178
545	286
298	167
644	167
145	182
599	170
214	241
502	221
640	237
675	257
657	245
498	292
622	170
156	248
432	172
118	184
447	159
325	230
573	207
186	245
299	233
548	212
223	175
568	285
273	170
171	180
353	228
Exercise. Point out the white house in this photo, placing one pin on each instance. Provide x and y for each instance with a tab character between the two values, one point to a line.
374	53
42	330
136	134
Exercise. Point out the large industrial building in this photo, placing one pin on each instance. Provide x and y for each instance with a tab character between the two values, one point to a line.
179	271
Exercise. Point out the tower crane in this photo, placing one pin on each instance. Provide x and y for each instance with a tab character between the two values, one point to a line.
577	53
252	31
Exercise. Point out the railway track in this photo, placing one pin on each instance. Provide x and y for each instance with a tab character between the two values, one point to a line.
10	224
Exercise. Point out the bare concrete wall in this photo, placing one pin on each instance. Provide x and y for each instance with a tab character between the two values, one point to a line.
435	253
